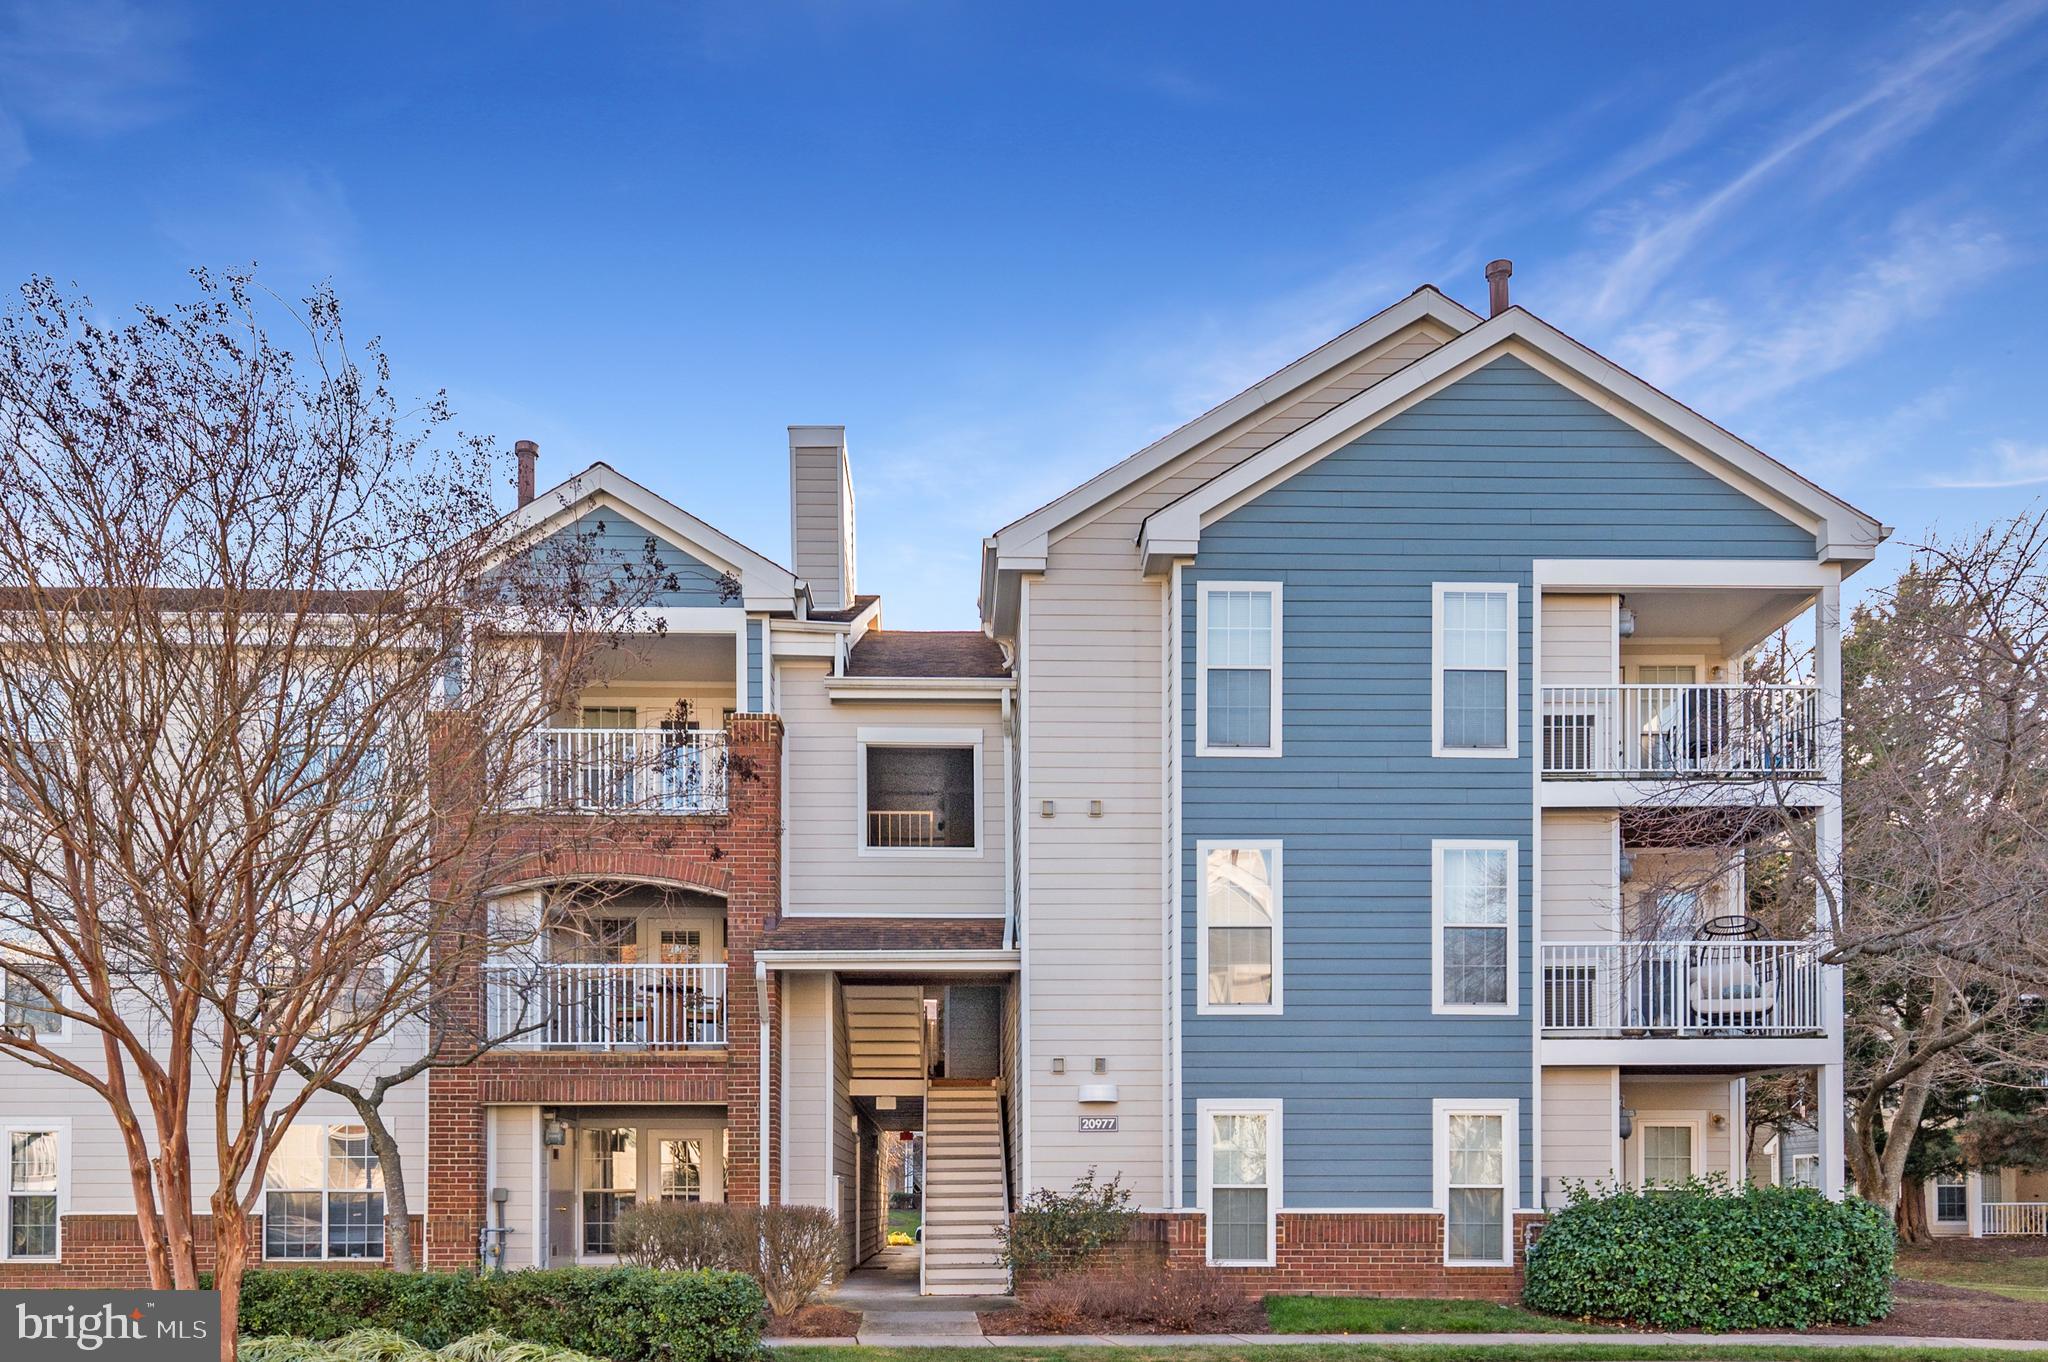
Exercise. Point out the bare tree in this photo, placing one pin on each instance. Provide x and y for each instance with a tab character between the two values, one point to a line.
1936	904
270	658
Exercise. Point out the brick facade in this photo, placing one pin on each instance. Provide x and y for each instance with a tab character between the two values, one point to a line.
105	1251
737	856
1364	1254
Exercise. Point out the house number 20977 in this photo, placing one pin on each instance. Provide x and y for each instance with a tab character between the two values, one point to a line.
1089	1123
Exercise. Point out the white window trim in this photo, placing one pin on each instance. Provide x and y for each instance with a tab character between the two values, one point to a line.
1203	590
8	1126
1437	591
1645	1120
1814	1160
1206	1109
864	738
326	1190
67	997
1203	1007
1509	1109
1512	1006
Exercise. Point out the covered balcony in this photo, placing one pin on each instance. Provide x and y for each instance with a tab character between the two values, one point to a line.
615	969
649	740
1740	988
1667	685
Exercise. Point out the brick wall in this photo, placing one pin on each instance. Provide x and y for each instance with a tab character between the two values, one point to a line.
738	856
1398	1254
105	1251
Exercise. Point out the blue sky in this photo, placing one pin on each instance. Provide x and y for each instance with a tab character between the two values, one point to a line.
1008	245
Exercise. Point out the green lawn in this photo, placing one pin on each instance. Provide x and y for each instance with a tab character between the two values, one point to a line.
902	1222
1435	1352
1367	1315
2016	1275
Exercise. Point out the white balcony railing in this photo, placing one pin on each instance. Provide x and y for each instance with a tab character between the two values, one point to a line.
605	1007
1679	732
625	770
2014	1217
1682	988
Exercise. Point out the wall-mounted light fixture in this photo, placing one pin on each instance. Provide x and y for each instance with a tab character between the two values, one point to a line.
1059	1065
1045	808
1628	1122
1101	1065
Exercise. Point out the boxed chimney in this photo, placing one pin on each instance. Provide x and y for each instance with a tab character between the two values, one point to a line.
821	514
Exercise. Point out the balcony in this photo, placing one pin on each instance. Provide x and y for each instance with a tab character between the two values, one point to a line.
606	1007
1681	732
1683	989
625	771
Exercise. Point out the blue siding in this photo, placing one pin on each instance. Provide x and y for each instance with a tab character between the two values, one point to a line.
680	577
756	698
1501	468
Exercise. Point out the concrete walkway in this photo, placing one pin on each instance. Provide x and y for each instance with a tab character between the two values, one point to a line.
975	1340
894	1315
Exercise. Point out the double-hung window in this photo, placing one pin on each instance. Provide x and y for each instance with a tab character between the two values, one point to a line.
34	1175
323	1195
1238	916
30	994
1475	889
1477	1160
1474	656
1240	1183
1237	669
1951	1199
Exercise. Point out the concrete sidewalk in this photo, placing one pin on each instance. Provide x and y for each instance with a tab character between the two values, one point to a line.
938	1340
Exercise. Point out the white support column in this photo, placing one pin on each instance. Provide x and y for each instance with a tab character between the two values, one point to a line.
1973	1202
1829	1119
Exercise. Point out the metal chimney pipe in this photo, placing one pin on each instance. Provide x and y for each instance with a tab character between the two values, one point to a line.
528	454
1497	272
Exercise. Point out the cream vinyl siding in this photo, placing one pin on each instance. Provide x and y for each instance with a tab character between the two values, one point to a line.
1093	629
806	1103
1579	1117
826	874
1661	1100
98	1161
515	1139
821	522
1580	643
1580	892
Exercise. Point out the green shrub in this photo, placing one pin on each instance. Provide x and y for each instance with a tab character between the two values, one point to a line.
625	1314
381	1345
1055	1232
1700	1256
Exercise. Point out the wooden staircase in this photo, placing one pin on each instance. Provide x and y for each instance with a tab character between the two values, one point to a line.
966	1199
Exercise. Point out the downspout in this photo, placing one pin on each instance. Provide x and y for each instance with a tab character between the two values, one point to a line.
1009	825
763	1106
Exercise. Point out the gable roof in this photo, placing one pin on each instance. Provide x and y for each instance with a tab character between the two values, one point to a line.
1842	533
1027	532
764	583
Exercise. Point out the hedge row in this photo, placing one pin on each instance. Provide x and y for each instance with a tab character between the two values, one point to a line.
1700	1256
622	1314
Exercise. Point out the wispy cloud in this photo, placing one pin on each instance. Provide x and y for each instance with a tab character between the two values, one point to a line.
1870	120
93	69
296	223
1729	358
2008	464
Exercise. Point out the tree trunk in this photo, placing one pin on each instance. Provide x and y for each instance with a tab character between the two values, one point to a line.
231	1257
391	1162
1911	1215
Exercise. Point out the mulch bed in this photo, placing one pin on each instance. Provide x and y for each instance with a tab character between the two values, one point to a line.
1250	1319
1932	1310
815	1321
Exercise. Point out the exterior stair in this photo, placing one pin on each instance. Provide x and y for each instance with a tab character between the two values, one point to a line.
966	1197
